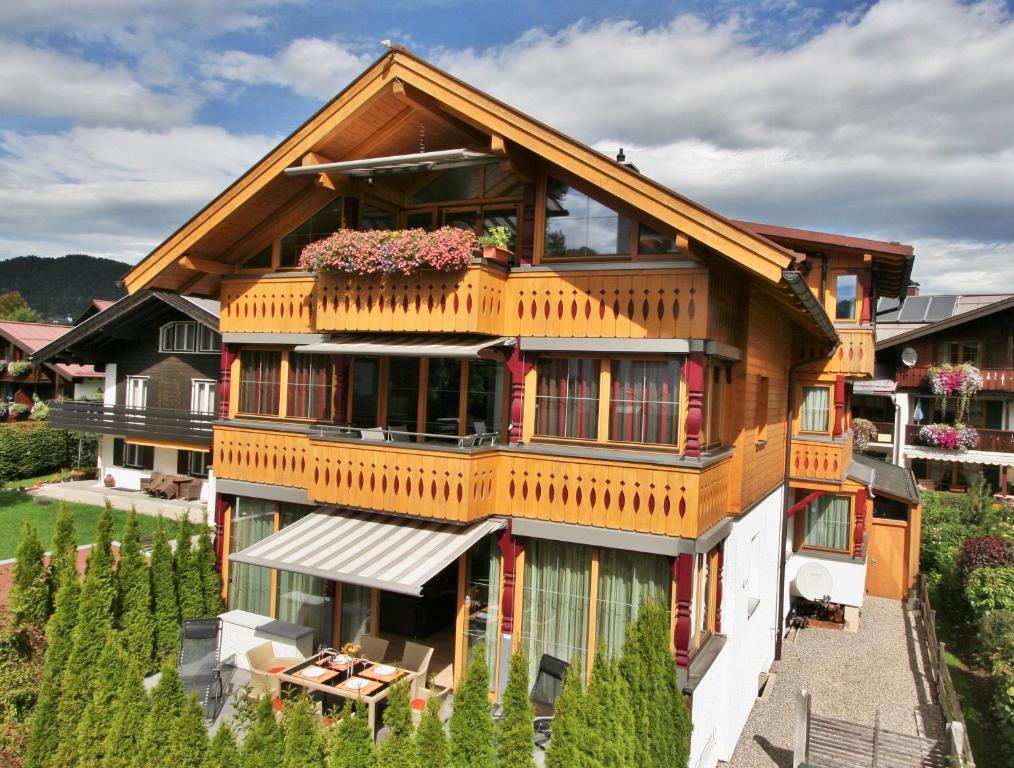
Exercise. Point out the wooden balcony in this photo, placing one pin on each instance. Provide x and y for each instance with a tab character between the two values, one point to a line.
166	424
993	379
467	484
484	298
854	356
997	440
823	459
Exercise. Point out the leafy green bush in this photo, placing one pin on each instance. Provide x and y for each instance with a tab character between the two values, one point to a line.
991	589
30	449
996	637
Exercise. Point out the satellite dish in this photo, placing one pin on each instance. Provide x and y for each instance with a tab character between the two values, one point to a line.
908	356
813	581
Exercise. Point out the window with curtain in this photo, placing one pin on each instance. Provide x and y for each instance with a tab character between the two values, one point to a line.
626	581
260	375
555	607
403	393
828	520
250	585
482	600
309	395
365	392
567	398
644	402
301	599
815	412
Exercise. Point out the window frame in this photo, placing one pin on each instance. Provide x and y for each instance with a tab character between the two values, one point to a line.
830	409
211	385
281	383
802	543
599	365
950	347
856	301
129	388
293	388
198	333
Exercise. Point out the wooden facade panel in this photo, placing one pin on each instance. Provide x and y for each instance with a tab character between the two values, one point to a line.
854	357
277	458
819	459
278	305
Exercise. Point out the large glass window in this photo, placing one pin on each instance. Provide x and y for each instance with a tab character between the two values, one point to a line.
403	393
202	396
482	599
567	398
644	404
188	336
302	599
365	392
309	395
250	585
828	520
323	223
443	395
356	612
259	382
846	294
957	352
815	413
626	580
652	241
485	379
557	595
578	225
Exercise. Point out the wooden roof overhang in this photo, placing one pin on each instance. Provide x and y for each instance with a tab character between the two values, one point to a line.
383	111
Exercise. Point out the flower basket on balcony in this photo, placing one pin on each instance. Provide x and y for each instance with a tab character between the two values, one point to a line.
399	252
961	381
863	433
18	368
494	244
956	438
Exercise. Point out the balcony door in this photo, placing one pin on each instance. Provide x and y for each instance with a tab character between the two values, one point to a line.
136	398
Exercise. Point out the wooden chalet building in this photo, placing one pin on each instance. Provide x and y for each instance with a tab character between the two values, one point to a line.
632	406
159	356
18	343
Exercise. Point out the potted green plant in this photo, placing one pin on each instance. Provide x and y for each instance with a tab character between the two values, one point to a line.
495	244
18	368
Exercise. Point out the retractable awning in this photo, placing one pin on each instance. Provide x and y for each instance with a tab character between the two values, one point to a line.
465	347
964	457
395	554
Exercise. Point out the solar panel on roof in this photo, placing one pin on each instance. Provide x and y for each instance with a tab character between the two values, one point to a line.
914	309
940	308
887	309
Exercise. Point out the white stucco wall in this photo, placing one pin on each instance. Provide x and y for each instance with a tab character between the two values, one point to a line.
88	389
848	577
724	697
109	386
129	478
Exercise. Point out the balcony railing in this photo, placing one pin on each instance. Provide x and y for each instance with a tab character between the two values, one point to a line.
167	424
997	440
993	379
473	481
820	459
656	302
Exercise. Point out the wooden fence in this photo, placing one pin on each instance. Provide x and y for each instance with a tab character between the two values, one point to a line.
961	749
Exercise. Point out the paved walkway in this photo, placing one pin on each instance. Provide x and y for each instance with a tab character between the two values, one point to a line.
850	676
90	492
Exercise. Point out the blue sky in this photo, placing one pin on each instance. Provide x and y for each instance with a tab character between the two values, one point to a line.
890	119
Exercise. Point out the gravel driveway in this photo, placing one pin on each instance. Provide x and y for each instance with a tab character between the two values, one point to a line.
850	676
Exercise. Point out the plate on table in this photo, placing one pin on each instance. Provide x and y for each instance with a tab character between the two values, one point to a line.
384	670
314	672
356	683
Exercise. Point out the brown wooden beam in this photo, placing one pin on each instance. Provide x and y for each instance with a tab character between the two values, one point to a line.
201	264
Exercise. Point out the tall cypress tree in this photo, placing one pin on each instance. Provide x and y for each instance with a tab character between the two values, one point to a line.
163	587
100	560
188	576
93	726
352	742
471	743
223	752
63	555
29	598
398	749
166	704
126	724
264	745
45	738
304	747
515	732
188	738
134	581
570	733
609	717
430	739
207	566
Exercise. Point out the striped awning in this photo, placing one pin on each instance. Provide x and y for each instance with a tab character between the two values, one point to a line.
395	554
964	457
413	345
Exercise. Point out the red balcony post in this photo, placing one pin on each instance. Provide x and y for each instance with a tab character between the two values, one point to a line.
519	368
860	529
225	379
683	570
510	548
695	402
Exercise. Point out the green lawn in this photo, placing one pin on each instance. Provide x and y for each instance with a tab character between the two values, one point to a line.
14	506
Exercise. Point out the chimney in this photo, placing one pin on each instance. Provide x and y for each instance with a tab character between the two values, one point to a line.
913	288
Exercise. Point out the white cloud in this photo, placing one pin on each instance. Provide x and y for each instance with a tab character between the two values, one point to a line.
112	192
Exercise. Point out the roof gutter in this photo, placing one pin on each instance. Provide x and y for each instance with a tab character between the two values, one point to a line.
796	283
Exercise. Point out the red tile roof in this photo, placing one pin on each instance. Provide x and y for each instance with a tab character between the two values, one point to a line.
32	336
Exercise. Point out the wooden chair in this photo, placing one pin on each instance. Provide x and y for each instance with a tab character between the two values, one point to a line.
152	481
264	668
373	648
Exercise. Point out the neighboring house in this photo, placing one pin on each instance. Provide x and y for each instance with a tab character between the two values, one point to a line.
160	355
96	306
926	331
49	380
522	452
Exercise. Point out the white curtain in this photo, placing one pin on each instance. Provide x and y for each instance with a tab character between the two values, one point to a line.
827	523
816	409
626	581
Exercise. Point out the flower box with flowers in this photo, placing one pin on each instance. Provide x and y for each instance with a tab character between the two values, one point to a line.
955	381
390	252
956	438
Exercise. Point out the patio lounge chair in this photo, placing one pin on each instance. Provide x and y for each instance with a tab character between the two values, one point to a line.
373	648
153	480
547	686
264	667
201	669
416	658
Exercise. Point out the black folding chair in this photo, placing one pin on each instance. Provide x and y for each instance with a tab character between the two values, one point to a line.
545	690
200	668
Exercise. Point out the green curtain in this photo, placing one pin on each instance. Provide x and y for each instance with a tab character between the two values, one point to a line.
827	522
626	579
816	411
557	589
250	585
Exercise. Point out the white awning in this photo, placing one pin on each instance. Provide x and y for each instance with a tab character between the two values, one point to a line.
395	554
965	457
875	387
470	347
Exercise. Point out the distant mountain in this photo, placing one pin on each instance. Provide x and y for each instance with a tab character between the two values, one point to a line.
60	289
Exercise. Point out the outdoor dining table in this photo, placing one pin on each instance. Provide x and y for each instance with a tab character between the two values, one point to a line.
340	676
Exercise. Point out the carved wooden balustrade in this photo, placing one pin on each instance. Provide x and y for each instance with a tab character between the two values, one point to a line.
282	304
820	459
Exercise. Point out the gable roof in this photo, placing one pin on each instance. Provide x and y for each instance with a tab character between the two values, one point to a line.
30	337
93	308
883	477
128	309
955	319
402	72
